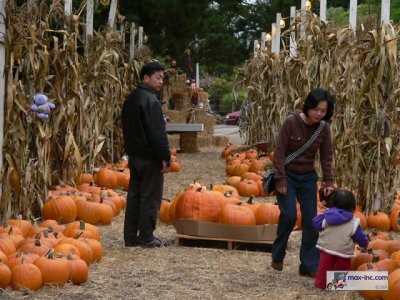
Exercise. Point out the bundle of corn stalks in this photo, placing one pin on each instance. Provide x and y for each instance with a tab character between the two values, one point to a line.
363	73
47	52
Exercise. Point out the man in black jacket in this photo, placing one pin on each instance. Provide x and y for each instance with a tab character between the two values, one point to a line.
146	143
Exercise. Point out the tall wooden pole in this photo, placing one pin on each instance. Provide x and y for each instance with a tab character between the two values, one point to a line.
322	10
140	41
353	15
68	14
273	38
113	13
132	42
303	14
89	19
2	79
263	39
255	48
385	11
293	44
278	33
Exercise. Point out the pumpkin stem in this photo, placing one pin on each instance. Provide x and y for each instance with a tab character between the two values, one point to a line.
78	235
82	225
38	243
199	189
50	253
250	201
211	186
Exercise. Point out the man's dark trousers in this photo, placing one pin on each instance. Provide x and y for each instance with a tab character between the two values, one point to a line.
143	199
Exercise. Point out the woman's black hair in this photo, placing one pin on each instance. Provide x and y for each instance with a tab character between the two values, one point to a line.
344	199
317	95
150	68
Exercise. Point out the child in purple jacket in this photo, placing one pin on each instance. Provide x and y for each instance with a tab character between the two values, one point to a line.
338	230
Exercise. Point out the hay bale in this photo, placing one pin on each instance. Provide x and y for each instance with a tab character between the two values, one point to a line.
173	140
188	142
177	116
220	140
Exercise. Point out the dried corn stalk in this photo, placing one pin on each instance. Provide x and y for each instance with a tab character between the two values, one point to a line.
88	84
363	73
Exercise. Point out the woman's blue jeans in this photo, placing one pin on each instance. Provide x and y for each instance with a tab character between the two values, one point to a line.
302	187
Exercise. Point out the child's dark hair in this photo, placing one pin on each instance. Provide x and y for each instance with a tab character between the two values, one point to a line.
344	199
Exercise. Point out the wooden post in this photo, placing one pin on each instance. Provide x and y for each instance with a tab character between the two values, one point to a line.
113	13
140	41
122	30
255	48
278	33
68	14
293	44
89	20
197	75
132	42
68	8
2	79
322	10
303	14
353	15
273	38
263	40
385	11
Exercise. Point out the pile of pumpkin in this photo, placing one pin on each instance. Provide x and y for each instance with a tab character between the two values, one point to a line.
50	253
220	203
175	164
383	255
87	202
116	176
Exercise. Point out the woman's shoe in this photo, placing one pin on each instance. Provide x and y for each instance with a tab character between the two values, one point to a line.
277	265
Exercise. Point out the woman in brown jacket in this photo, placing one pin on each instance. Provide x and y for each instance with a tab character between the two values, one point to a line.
298	179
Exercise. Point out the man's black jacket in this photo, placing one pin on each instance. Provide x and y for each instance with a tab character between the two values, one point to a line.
143	125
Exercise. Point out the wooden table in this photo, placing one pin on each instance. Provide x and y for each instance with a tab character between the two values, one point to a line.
188	135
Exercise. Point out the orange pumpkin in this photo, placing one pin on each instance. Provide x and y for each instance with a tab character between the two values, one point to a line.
267	214
247	188
163	215
55	270
5	275
79	269
60	208
106	178
197	204
26	275
379	220
235	214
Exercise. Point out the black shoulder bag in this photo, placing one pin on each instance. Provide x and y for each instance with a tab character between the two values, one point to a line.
269	180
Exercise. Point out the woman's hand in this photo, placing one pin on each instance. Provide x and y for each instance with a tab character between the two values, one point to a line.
282	190
328	191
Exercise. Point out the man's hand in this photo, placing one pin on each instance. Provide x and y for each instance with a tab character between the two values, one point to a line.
165	168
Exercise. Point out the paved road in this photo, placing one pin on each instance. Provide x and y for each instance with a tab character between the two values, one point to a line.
230	131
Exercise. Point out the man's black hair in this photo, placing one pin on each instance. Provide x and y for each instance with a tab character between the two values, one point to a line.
150	68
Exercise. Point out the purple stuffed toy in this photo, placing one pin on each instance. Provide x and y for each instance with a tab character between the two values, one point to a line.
41	106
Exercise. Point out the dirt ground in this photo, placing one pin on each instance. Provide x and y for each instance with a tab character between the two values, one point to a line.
183	272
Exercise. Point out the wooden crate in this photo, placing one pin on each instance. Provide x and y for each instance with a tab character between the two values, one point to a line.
230	244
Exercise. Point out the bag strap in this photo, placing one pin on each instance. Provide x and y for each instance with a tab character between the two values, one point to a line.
292	156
